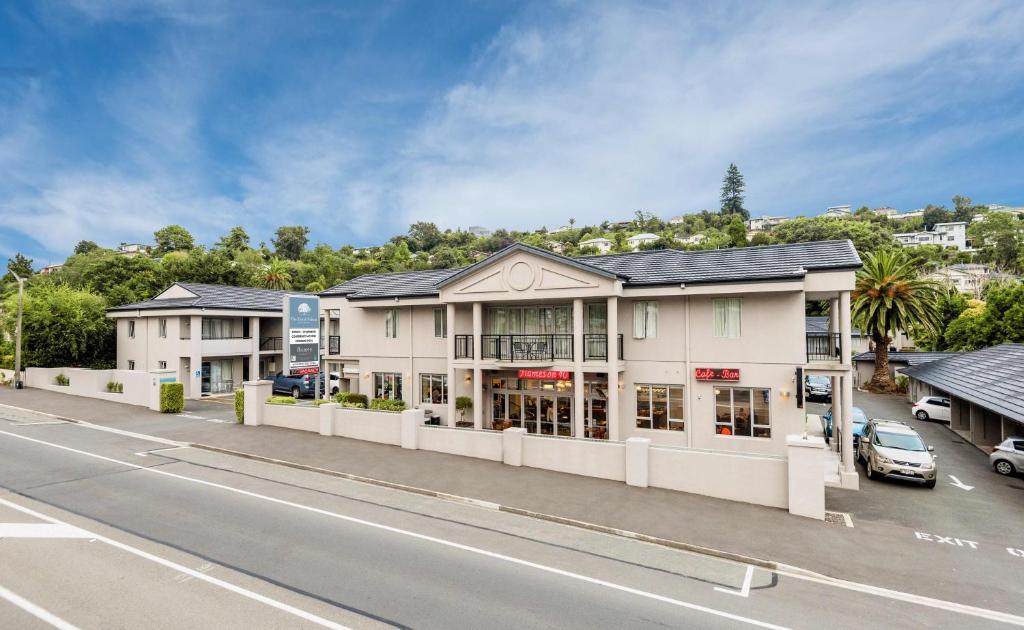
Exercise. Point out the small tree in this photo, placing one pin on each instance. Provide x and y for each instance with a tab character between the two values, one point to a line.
737	231
732	192
290	241
462	403
276	275
172	238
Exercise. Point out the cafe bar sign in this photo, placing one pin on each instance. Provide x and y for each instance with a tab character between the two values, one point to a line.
558	375
717	374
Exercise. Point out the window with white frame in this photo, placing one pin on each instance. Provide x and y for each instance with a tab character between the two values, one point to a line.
440	322
743	411
131	330
163	327
434	388
162	365
391	323
387	385
660	407
131	364
728	312
645	320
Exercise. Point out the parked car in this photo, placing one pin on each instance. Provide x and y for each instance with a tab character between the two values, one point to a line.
860	420
932	408
297	386
1008	458
818	388
892	449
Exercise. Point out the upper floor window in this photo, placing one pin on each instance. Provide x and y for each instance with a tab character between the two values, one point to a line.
645	320
391	323
214	328
440	322
163	327
131	330
660	407
728	313
742	411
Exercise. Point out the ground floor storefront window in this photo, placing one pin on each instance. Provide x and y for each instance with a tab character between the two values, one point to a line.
743	411
217	376
545	407
434	388
387	385
660	407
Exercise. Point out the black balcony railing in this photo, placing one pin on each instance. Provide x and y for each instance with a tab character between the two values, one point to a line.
334	344
513	348
595	347
271	343
463	346
209	336
824	347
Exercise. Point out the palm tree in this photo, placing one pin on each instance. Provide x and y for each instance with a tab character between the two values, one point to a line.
889	296
276	275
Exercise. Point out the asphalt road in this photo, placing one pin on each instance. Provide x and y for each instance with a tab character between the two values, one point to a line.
340	552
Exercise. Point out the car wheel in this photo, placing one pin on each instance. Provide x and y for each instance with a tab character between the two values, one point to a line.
929	484
334	391
1004	467
295	392
867	467
922	415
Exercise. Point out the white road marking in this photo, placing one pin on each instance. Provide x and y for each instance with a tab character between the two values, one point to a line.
959	484
100	427
41	530
190	417
396	530
744	590
789	571
36	611
302	614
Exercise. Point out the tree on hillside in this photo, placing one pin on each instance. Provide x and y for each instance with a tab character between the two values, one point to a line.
85	247
234	241
964	209
21	265
737	231
936	214
889	296
866	236
290	241
645	221
424	236
1000	237
276	275
950	304
117	279
999	319
732	193
172	238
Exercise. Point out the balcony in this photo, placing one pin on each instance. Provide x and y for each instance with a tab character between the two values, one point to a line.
526	348
463	346
595	347
825	347
271	344
334	345
226	345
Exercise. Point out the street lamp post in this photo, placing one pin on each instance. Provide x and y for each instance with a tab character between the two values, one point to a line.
17	332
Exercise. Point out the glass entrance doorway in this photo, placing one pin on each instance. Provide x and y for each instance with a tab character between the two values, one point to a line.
217	377
539	406
595	396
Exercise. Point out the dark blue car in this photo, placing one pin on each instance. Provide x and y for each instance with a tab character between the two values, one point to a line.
860	420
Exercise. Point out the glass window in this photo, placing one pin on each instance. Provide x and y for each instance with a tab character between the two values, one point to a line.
434	388
645	320
391	323
163	327
743	411
597	318
727	317
440	322
214	328
162	365
131	330
131	364
660	407
387	385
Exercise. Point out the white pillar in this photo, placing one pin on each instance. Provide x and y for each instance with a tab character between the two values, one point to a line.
637	458
847	445
478	386
837	412
512	446
254	356
578	411
411	419
805	476
450	346
613	368
327	418
845	330
255	396
195	357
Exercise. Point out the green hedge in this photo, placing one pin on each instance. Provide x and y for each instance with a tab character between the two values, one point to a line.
352	398
62	380
384	404
240	405
172	397
281	400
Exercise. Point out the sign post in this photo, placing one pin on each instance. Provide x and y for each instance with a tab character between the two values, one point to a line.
302	336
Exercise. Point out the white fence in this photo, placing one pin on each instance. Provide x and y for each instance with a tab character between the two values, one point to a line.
138	388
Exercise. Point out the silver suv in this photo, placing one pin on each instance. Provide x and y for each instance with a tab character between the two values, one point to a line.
892	449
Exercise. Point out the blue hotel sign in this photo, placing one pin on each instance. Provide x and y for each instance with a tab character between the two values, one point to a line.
302	334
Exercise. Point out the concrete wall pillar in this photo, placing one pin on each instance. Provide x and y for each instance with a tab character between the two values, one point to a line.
255	395
613	405
578	410
478	385
847	435
837	411
411	419
195	358
637	458
845	328
327	418
450	347
254	353
512	446
806	476
613	369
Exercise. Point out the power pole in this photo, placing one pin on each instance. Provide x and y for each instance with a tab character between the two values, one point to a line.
17	331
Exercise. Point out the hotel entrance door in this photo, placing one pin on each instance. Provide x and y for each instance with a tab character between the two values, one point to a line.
539	406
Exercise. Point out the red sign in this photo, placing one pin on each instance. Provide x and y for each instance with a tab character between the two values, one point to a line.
717	374
558	375
307	370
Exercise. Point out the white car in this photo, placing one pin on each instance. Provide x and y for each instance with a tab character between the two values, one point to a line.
1008	457
932	408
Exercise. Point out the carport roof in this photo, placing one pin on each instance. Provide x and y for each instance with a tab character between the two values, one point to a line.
992	378
910	358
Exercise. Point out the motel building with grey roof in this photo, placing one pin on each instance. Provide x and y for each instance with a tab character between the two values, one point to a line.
690	349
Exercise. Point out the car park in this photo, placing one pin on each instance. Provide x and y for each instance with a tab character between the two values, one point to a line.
860	420
893	449
1007	458
932	408
818	388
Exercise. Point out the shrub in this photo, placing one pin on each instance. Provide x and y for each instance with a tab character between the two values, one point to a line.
62	380
462	403
120	388
240	405
115	388
902	383
281	400
387	404
172	397
353	405
322	401
351	397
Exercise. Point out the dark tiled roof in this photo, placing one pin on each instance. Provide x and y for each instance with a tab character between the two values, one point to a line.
992	378
653	267
215	296
580	263
910	358
818	325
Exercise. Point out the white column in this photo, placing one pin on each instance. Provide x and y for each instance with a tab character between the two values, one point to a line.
478	386
845	332
845	329
613	368
450	346
254	357
195	357
837	412
578	411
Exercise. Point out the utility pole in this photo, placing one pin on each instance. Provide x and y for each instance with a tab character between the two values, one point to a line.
17	331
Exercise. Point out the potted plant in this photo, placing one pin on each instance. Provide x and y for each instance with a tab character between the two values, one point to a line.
462	403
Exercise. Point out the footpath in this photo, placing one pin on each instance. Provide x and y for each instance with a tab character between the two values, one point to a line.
766	536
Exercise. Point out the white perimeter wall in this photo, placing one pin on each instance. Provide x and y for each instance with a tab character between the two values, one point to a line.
93	383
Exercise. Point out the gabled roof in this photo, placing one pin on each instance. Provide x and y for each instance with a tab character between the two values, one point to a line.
910	358
214	296
523	247
992	378
397	284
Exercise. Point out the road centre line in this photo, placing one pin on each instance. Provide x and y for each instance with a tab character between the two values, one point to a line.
298	612
36	611
789	571
418	536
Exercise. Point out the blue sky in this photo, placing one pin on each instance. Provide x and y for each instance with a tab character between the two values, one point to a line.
121	116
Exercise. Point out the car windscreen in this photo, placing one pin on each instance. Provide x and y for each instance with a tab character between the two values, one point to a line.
901	441
818	380
858	427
